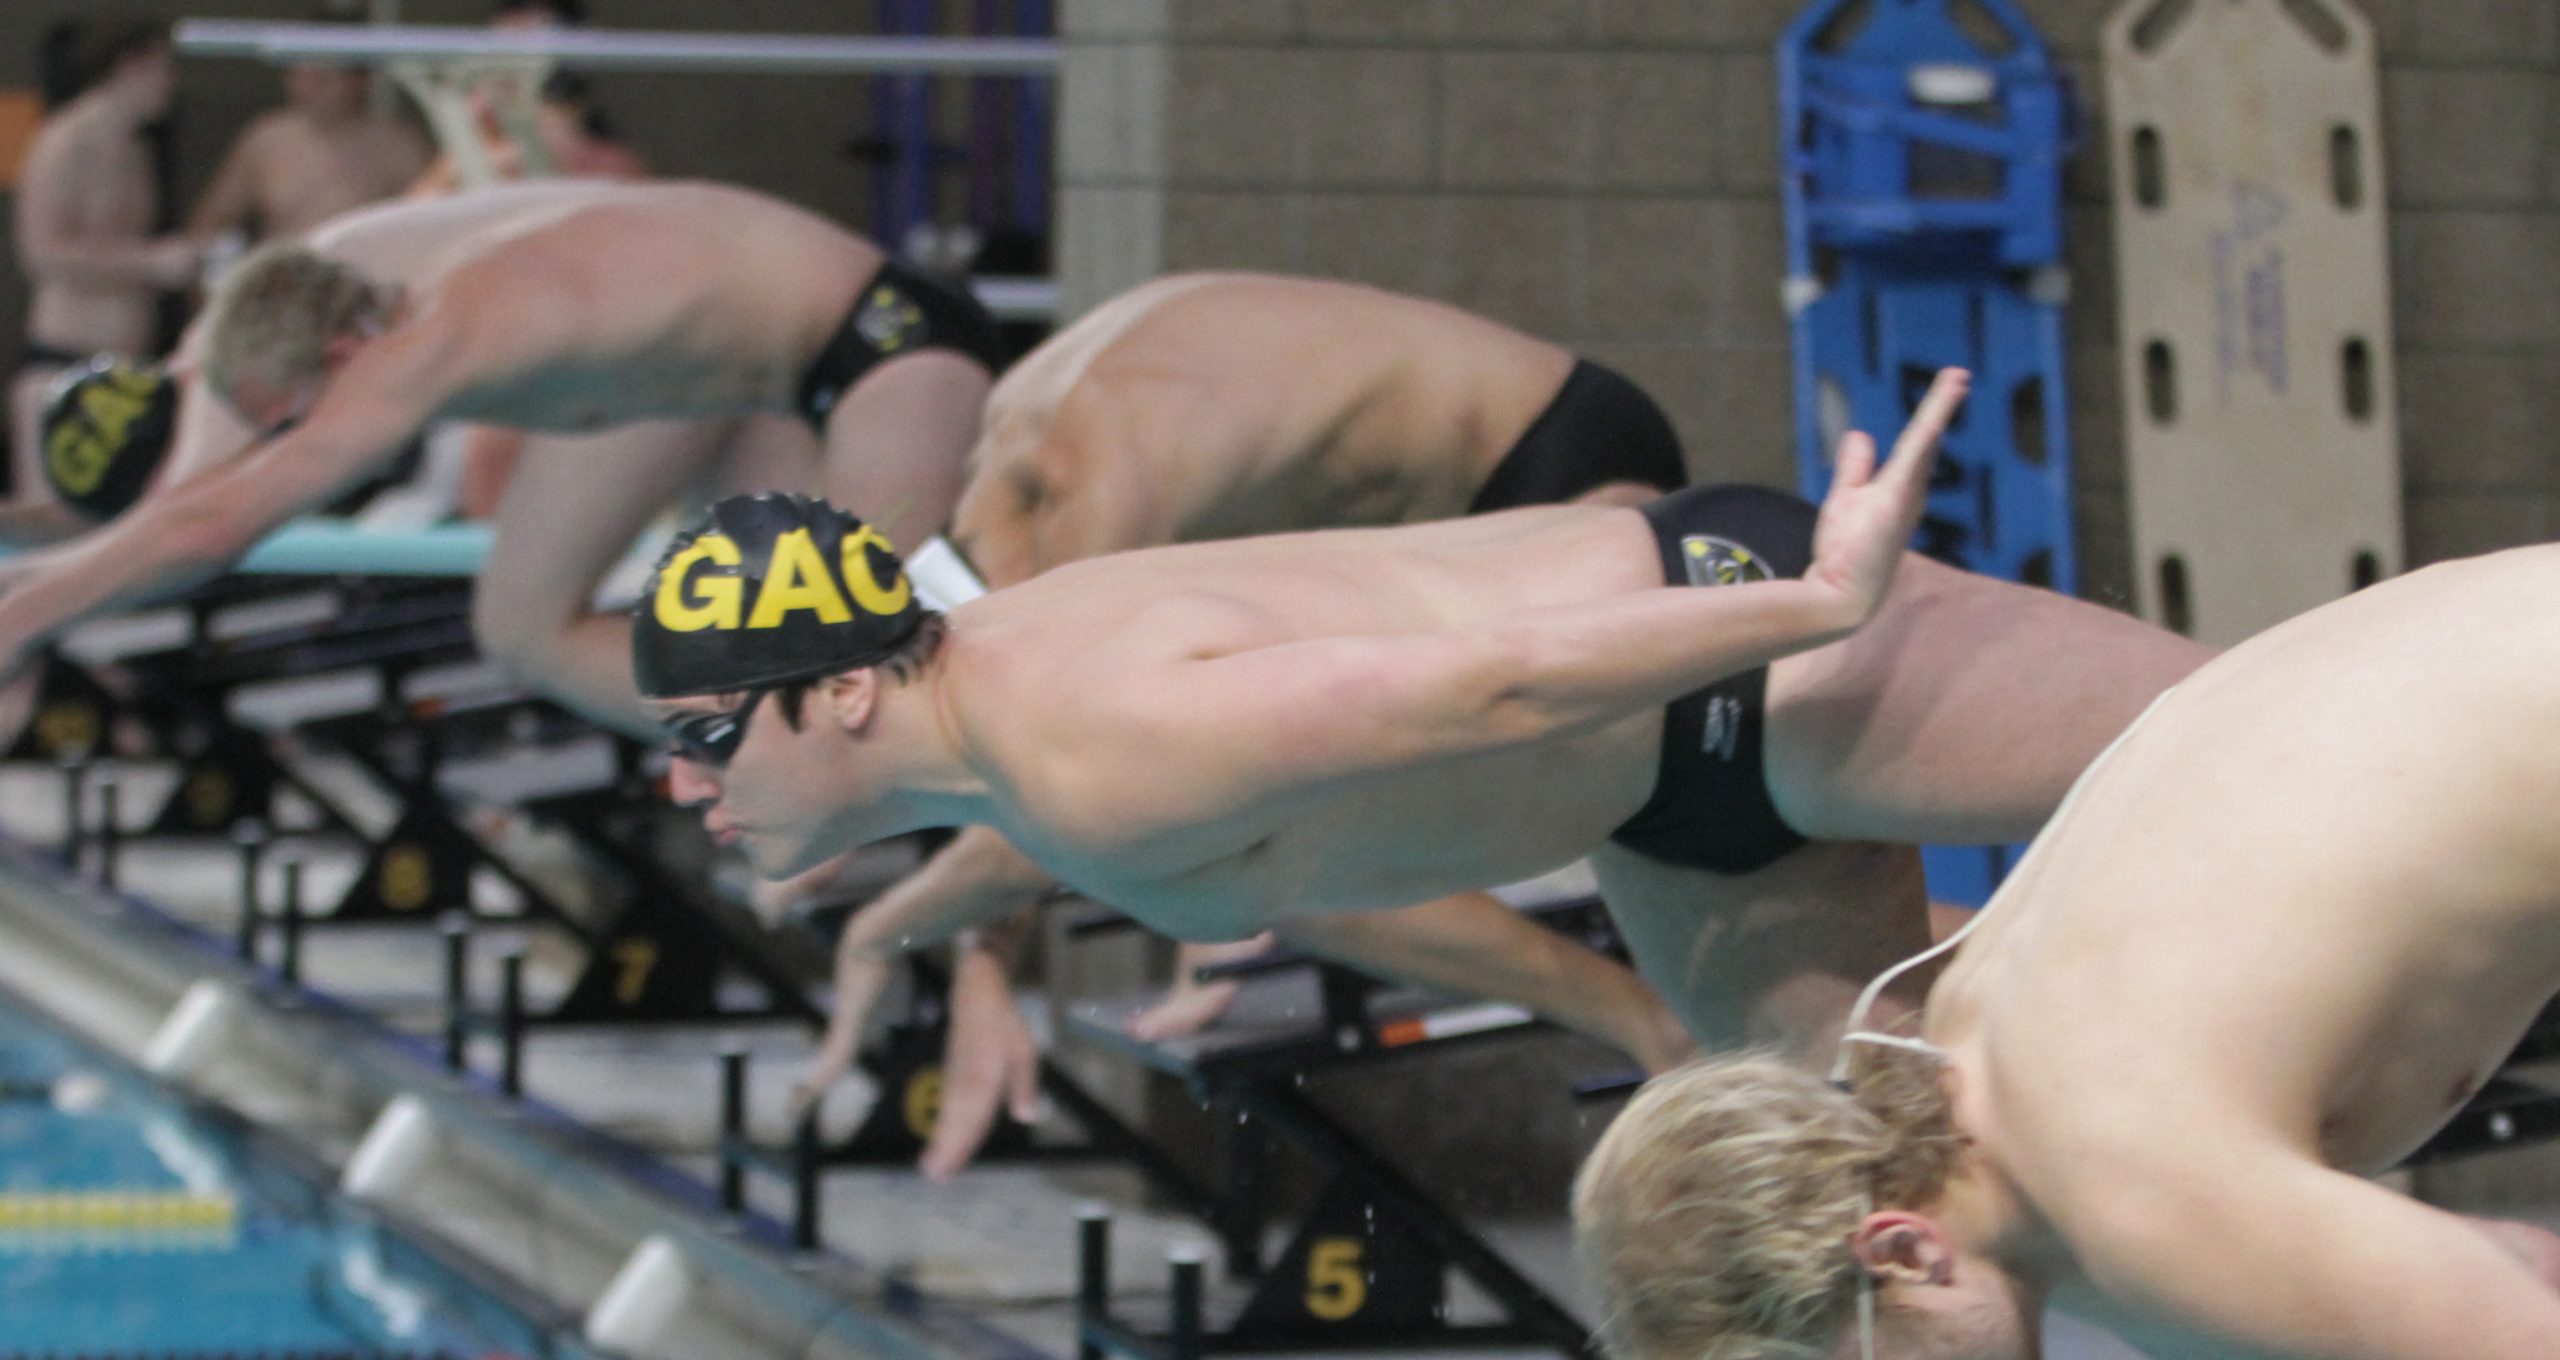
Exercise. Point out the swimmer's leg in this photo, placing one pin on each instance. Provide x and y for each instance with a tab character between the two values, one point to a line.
1191	1005
1777	955
1472	944
898	442
768	453
1961	713
571	510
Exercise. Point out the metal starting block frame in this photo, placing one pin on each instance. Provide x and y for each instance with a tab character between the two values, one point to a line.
1367	1268
906	1068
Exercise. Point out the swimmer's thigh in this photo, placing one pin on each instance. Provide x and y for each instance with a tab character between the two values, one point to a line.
571	511
898	444
1776	955
1962	713
768	453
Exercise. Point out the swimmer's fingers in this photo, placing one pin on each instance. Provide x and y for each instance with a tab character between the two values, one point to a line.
1917	447
1000	1074
823	1072
1855	461
990	1063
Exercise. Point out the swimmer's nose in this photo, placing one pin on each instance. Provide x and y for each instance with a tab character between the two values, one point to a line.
690	783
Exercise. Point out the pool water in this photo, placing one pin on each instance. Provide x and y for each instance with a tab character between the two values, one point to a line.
131	1225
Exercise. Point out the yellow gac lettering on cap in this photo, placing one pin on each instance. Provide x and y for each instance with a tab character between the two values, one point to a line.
117	402
715	601
797	579
867	590
78	458
81	451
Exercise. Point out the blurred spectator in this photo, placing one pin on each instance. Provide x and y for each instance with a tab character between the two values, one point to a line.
325	152
86	208
581	144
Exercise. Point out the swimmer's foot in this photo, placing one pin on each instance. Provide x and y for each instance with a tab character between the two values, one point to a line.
1191	1006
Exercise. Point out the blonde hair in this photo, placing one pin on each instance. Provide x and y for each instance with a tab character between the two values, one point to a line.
1714	1218
273	316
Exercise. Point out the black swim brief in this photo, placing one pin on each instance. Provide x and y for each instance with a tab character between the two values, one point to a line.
1600	428
897	313
1711	807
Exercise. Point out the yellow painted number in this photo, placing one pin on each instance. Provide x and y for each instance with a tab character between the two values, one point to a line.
67	726
1336	1286
637	957
408	880
924	1101
209	796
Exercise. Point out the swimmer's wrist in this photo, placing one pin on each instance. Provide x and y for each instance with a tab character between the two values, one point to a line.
1832	609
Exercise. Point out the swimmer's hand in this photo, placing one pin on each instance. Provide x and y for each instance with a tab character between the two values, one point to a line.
990	1061
1871	512
860	979
990	1064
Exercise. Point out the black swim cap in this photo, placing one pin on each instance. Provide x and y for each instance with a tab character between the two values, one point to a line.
107	427
769	589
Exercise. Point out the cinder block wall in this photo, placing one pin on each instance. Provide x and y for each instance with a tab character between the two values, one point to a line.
1603	172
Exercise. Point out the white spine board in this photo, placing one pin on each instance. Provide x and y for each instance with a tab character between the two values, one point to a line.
2254	307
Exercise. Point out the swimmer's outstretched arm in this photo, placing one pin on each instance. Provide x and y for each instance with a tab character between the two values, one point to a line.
1273	724
192	531
2266	1252
480	328
37	524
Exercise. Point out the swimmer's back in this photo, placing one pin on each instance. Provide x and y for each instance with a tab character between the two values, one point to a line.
418	239
1250	403
2319	830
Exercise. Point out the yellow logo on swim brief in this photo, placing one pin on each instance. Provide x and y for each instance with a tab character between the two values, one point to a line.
796	578
888	320
1714	561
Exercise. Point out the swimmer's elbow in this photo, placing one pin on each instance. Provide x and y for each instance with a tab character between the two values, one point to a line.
1533	684
1509	677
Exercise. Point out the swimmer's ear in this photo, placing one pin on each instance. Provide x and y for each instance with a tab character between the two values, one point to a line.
1899	1245
850	698
343	346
